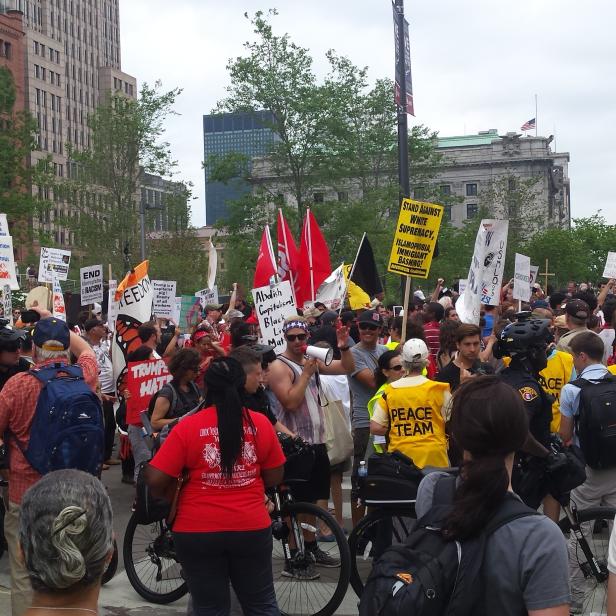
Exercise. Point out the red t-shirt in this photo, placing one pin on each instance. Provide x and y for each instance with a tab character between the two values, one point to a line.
209	502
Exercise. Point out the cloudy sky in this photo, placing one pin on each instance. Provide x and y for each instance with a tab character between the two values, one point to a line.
477	64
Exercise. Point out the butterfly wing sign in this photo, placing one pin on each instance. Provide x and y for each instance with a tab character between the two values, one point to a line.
134	297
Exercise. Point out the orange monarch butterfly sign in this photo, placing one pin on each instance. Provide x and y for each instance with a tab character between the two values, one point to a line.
415	238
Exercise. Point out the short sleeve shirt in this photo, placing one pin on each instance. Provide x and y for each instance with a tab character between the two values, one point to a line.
210	502
360	394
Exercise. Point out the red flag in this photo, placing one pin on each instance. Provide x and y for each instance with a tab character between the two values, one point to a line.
288	255
314	265
266	264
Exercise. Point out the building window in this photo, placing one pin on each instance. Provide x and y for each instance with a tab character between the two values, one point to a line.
419	192
471	190
318	197
445	190
471	210
511	184
343	196
447	213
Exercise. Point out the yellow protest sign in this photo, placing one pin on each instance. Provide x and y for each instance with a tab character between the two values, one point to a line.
415	238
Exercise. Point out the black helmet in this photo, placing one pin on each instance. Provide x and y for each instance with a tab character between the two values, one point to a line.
10	338
523	336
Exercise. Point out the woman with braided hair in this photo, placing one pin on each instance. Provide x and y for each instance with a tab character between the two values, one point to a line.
222	533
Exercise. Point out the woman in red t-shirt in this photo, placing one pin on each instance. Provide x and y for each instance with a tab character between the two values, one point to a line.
222	531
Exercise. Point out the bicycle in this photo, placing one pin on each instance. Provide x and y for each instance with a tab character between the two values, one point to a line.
303	586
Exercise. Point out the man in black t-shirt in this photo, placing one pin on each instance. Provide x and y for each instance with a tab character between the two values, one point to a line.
11	363
466	364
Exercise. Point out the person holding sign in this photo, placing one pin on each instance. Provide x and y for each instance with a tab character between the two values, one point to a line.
412	411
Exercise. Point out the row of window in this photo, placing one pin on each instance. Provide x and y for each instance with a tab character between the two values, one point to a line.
6	50
319	197
471	211
40	72
46	51
41	100
445	190
124	86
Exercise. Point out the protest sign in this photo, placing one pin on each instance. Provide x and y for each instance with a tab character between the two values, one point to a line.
273	304
112	305
164	298
333	289
143	380
398	310
91	279
487	263
4	225
134	297
462	285
521	278
6	303
610	266
534	271
54	260
208	296
7	263
415	238
190	312
177	309
58	308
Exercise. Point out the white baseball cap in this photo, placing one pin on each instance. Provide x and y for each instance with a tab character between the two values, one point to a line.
97	309
414	350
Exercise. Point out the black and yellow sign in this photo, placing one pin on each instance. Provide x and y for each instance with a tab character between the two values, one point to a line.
415	238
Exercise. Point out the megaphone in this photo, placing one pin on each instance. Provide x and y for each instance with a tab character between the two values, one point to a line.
324	355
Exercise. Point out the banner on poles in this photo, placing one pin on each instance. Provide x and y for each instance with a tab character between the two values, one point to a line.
487	263
58	308
521	278
415	238
143	380
91	278
333	289
610	266
164	298
8	274
208	296
190	313
273	304
408	81
134	296
54	260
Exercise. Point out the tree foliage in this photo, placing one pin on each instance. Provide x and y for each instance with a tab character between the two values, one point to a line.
18	131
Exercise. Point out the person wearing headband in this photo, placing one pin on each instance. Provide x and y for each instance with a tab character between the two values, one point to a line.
293	381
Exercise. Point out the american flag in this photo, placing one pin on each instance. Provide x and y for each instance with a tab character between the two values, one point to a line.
528	125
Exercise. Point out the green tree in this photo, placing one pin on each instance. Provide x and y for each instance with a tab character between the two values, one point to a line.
102	189
18	131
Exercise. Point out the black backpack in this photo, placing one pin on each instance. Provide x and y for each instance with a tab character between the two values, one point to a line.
596	421
429	576
177	404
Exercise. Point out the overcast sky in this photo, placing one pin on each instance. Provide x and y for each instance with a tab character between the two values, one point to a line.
477	64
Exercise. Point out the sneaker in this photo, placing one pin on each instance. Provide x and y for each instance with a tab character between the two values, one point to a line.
323	559
304	572
113	462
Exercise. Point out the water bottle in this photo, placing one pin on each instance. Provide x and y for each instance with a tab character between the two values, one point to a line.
362	471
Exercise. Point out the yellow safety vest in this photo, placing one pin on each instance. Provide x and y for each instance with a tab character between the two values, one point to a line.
416	424
378	448
552	379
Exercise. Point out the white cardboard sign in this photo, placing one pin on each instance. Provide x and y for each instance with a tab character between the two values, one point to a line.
208	296
273	304
521	278
112	305
91	279
54	260
610	266
164	298
7	263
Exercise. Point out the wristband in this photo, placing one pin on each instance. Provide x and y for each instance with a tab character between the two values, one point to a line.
346	347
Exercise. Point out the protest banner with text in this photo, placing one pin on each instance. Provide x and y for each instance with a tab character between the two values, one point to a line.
273	304
164	298
54	260
208	296
8	275
143	380
91	284
610	266
6	303
415	238
521	278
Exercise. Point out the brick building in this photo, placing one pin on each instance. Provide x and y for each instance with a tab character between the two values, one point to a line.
12	52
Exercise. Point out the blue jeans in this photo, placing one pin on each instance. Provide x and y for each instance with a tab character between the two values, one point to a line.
210	560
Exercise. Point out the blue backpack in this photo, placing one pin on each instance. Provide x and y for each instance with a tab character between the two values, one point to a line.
67	430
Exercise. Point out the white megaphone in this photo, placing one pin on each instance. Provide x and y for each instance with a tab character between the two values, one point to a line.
324	355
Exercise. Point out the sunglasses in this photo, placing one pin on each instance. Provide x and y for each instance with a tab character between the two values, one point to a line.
294	337
368	326
396	368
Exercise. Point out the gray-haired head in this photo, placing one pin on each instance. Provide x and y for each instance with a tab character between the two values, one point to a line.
66	531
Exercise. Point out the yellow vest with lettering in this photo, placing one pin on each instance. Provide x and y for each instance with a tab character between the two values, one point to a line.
552	379
416	424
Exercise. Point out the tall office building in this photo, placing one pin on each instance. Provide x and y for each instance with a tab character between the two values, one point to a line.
225	133
72	62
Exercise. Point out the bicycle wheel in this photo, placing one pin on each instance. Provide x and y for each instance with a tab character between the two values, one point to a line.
588	592
311	576
113	565
374	533
150	562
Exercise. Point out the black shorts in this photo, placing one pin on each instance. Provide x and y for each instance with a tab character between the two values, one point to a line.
317	488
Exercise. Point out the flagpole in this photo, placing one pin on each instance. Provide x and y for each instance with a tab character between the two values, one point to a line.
536	116
309	242
270	249
286	250
363	237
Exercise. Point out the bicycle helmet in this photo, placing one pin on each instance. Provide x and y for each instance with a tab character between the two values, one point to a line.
523	336
10	339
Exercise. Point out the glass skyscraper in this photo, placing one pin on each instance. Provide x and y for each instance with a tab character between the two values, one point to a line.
225	133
